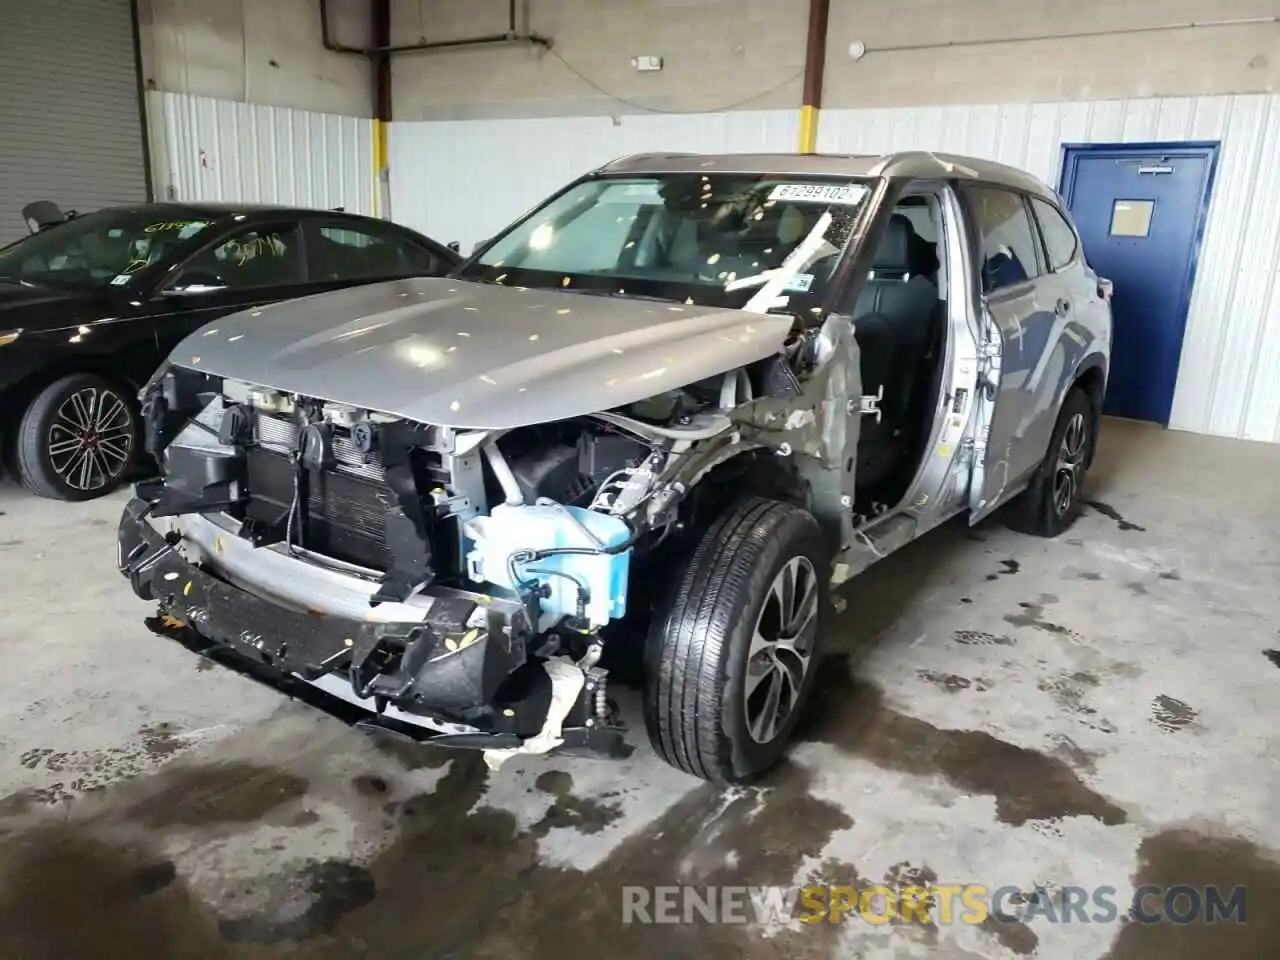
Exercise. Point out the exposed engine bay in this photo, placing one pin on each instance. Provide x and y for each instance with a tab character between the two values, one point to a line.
484	563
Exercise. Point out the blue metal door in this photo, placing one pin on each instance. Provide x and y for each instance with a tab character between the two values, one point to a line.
1140	210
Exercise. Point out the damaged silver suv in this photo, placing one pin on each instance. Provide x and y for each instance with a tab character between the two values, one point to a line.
652	423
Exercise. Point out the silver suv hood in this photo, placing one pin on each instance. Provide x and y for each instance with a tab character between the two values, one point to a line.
475	355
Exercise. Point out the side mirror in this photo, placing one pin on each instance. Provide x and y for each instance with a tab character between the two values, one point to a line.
196	281
455	246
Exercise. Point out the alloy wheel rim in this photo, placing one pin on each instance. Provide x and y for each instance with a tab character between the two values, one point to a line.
90	441
781	647
1070	464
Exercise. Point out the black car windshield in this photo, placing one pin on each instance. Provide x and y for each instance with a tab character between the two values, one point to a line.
97	249
712	239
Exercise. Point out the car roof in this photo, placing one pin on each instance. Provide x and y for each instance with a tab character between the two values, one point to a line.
915	164
214	211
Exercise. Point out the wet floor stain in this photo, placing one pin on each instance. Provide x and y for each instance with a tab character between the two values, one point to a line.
1112	513
66	893
1089	576
953	683
226	793
1026	784
1137	588
1070	692
1176	857
585	815
1010	567
464	880
1171	714
331	889
1014	935
1170	575
81	772
1064	748
1273	656
204	665
411	755
978	638
368	785
1032	615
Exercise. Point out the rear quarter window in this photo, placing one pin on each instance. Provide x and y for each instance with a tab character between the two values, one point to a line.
1007	235
1059	239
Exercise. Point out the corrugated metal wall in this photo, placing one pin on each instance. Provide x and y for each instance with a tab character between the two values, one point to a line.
70	123
462	180
1229	378
466	179
205	149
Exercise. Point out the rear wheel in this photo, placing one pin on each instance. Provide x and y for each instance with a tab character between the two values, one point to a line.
77	438
1051	502
730	657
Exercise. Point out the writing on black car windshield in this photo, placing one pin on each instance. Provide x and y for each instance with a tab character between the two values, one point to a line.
97	249
712	239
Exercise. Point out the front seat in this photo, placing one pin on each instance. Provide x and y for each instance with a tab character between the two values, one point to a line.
892	319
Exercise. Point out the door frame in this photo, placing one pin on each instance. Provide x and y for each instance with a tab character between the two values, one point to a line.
1209	149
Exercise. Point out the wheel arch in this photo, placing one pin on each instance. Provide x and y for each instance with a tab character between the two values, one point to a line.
1091	377
758	472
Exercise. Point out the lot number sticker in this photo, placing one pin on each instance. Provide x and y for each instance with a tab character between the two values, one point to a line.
832	193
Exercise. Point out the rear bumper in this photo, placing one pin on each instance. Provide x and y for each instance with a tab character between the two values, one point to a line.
450	668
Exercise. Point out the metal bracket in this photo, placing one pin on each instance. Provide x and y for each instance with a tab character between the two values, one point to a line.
868	405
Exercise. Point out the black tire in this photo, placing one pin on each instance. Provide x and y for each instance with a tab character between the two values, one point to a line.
696	654
1042	509
46	450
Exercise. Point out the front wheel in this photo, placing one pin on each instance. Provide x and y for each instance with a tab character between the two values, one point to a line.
77	439
730	657
1051	501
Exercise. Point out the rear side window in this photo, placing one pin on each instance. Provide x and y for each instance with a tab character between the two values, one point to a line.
1059	238
1007	235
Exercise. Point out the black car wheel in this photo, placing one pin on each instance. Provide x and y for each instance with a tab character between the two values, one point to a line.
77	439
1051	502
730	658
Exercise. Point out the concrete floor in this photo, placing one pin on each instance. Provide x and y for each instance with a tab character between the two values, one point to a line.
1095	710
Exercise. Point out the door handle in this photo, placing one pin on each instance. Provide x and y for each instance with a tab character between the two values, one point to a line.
1062	307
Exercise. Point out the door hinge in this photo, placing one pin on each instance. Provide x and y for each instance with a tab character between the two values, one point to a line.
868	404
988	349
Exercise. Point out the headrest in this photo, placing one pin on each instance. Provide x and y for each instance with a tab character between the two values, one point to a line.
894	252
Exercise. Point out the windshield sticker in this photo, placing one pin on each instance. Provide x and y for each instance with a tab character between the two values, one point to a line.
119	280
848	194
630	193
167	226
800	283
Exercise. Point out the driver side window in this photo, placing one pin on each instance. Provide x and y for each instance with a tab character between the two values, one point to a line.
269	257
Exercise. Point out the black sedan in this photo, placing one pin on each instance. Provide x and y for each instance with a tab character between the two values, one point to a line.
90	306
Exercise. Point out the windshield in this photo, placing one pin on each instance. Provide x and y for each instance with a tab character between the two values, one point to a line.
711	239
97	249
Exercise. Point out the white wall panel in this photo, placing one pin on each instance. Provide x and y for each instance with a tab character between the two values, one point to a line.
463	180
207	149
466	179
1229	377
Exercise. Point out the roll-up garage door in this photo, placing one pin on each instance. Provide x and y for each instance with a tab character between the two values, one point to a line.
71	127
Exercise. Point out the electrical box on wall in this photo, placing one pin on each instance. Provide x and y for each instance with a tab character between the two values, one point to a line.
646	64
